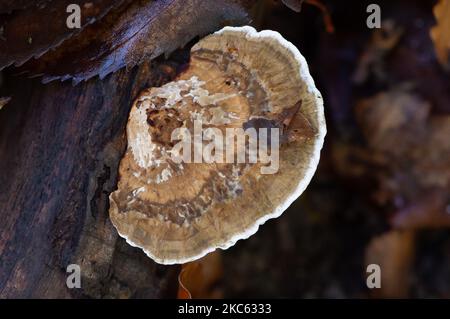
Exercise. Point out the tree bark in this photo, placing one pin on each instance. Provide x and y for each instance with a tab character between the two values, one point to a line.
60	147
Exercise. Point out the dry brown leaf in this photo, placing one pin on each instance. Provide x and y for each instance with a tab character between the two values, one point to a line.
415	173
441	32
136	32
372	60
398	124
197	279
394	253
428	211
393	120
32	32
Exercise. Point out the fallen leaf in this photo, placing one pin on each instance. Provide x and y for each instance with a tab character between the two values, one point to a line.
393	120
441	32
32	32
394	253
197	279
383	40
428	211
136	32
414	176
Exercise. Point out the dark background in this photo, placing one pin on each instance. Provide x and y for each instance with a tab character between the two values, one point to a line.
318	247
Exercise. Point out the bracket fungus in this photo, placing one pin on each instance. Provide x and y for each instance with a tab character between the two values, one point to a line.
179	209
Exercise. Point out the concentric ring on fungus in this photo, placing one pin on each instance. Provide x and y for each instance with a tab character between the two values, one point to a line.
237	77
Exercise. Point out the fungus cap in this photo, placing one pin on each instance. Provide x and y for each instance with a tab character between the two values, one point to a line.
237	78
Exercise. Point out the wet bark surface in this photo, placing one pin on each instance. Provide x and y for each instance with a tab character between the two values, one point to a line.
60	147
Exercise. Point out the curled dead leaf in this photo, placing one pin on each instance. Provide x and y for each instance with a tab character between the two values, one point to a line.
441	32
198	279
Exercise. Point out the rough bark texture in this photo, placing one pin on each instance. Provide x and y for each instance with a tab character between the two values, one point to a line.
59	150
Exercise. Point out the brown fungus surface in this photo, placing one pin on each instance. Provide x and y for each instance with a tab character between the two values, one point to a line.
178	211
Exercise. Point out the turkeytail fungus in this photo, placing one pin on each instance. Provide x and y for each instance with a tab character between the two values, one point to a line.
179	210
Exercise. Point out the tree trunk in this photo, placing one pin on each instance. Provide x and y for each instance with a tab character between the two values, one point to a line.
60	147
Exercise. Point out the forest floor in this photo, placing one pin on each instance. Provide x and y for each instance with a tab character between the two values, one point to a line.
372	199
